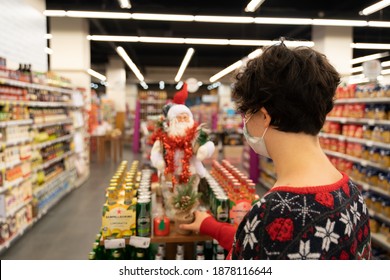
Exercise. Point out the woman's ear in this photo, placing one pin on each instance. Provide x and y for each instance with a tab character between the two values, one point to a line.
266	116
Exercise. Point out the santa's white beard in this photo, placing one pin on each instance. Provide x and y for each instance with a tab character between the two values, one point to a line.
179	128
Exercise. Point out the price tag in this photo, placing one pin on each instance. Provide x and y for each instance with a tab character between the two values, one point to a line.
139	242
371	122
115	243
343	120
369	143
364	163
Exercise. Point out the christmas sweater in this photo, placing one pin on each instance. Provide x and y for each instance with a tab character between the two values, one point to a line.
322	222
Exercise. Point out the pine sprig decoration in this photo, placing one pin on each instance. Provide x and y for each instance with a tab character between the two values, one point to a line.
185	198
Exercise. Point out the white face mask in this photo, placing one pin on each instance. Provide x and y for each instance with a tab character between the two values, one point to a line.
256	143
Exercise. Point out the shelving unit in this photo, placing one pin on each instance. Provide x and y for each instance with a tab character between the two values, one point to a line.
42	197
344	120
366	142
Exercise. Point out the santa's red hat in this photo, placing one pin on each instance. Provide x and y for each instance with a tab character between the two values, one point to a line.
181	96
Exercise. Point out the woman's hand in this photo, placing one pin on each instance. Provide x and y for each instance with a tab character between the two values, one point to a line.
195	226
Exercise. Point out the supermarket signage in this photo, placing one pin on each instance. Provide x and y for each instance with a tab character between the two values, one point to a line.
209	98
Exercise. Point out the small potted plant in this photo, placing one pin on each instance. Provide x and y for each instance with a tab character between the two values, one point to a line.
184	202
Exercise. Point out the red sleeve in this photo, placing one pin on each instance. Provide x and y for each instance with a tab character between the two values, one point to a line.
222	232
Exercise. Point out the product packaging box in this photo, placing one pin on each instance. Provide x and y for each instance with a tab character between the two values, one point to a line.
119	219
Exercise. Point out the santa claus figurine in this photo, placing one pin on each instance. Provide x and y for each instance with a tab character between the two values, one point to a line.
181	145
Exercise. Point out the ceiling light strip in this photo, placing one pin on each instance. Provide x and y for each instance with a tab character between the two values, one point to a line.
375	7
216	19
369	57
372	46
253	5
163	17
226	71
97	75
130	63
184	64
196	41
224	19
125	4
91	14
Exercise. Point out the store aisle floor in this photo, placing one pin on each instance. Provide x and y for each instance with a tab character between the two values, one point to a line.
68	230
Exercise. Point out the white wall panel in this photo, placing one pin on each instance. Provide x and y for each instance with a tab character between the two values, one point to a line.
22	30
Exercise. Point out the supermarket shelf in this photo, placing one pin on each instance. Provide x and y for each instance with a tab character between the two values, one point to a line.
16	236
13	184
371	188
17	122
50	162
363	100
34	86
366	142
6	165
40	125
362	162
18	141
36	103
51	142
246	156
37	192
381	240
16	209
361	121
44	211
379	216
265	184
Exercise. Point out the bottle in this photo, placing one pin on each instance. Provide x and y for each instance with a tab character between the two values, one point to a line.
208	249
99	251
91	255
129	252
180	249
200	257
143	218
161	250
117	254
158	257
179	256
140	254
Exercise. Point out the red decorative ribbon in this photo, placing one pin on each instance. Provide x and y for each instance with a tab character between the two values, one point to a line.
173	143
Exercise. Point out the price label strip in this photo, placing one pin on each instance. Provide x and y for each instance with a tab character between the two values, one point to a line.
139	242
115	243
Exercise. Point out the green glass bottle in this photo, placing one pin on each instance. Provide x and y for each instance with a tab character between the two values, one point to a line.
117	254
129	252
99	251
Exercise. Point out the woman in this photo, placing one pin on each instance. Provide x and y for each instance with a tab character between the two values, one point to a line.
313	211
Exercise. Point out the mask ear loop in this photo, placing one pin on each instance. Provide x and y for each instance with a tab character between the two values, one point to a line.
264	132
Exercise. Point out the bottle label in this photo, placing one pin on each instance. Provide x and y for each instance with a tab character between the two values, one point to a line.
143	226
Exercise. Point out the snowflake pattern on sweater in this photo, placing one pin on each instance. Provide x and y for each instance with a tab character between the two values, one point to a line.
325	222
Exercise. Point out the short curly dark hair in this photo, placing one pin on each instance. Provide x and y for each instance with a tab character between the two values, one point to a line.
295	86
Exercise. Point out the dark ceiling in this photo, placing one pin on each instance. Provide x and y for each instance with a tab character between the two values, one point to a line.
171	55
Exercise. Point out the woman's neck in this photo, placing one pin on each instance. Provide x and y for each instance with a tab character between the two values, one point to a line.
299	160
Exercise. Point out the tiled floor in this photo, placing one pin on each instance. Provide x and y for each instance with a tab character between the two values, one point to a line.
68	230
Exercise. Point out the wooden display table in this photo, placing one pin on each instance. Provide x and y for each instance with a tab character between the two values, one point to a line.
116	147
